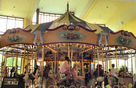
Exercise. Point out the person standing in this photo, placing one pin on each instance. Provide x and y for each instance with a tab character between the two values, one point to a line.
6	71
12	71
114	73
65	69
99	73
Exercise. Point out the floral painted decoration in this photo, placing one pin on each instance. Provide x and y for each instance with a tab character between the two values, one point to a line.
71	36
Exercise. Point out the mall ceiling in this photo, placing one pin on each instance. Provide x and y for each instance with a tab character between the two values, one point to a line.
113	13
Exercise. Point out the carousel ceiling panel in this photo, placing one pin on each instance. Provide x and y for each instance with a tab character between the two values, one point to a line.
113	13
18	8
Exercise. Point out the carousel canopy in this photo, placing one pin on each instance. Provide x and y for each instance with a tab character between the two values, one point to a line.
68	19
67	29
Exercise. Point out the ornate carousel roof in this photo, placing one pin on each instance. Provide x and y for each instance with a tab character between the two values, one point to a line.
68	19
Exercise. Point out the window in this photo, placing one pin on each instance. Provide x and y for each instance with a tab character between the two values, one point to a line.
45	17
11	62
10	22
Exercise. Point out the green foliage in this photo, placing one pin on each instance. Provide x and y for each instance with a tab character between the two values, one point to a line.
9	61
123	69
19	71
14	61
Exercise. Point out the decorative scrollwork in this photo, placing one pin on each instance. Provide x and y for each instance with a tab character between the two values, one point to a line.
103	39
71	27
14	39
13	31
123	40
64	28
125	33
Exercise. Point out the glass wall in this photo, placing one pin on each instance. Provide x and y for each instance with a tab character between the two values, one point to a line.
45	17
7	22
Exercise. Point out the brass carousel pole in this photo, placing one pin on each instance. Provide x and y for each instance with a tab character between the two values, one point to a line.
55	67
43	56
131	51
110	61
107	59
28	59
3	54
21	69
76	56
98	60
5	57
32	57
68	51
116	58
71	53
103	59
127	61
17	59
24	59
3	63
82	63
12	59
36	56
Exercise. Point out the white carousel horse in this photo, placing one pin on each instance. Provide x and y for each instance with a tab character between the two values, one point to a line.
28	82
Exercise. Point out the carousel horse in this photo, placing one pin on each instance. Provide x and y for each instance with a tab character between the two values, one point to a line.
99	81
99	75
73	80
37	82
32	79
48	78
115	83
74	73
27	79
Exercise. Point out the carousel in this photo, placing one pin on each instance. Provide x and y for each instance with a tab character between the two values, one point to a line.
43	49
